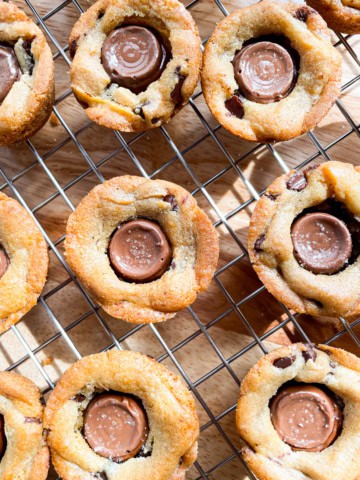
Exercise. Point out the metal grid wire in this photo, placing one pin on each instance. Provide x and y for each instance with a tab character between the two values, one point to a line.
223	220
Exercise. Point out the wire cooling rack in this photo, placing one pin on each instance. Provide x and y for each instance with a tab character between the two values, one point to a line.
214	342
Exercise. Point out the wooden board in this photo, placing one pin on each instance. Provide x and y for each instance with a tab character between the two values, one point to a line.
214	329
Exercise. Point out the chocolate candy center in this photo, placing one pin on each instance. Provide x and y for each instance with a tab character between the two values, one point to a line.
9	70
4	261
115	426
322	243
133	57
264	71
139	251
306	417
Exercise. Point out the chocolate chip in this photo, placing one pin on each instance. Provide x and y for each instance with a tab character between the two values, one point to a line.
142	454
339	401
303	13
272	196
235	106
325	350
172	200
139	110
101	476
72	48
297	182
33	420
309	353
175	95
27	47
284	362
316	303
258	243
79	397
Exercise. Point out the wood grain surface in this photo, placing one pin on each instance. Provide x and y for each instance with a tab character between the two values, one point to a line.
213	330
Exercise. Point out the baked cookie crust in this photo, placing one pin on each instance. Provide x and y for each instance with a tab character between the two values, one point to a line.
117	107
267	455
25	277
192	236
28	105
341	16
271	249
26	455
170	408
318	81
26	248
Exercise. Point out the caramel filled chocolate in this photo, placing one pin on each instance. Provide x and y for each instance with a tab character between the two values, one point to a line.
2	437
4	261
264	71
9	70
322	243
139	251
133	57
115	426
306	417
